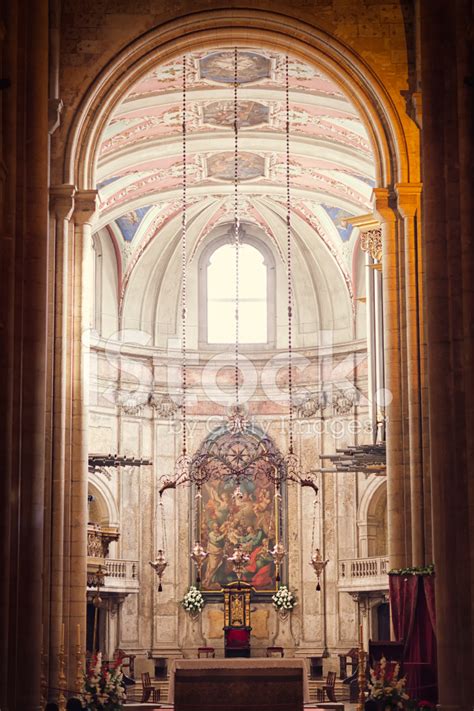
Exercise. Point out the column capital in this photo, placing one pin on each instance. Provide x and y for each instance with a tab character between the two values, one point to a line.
85	208
61	200
382	200
408	198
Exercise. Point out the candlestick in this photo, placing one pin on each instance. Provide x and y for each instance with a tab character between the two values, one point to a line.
62	682
361	671
78	635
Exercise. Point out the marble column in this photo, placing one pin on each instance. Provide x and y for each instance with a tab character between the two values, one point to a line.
31	305
396	493
447	137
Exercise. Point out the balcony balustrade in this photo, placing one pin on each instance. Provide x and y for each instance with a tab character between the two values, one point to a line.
360	574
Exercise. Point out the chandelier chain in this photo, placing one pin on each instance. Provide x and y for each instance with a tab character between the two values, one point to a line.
315	502
236	227
184	382
164	542
288	244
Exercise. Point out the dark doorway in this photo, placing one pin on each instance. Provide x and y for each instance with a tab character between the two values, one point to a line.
91	610
383	621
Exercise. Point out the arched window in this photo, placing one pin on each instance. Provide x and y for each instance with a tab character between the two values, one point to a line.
253	295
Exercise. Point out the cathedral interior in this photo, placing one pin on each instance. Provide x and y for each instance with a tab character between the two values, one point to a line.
237	343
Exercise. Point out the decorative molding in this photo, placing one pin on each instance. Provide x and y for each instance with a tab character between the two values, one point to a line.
61	200
85	207
344	402
131	402
55	108
311	405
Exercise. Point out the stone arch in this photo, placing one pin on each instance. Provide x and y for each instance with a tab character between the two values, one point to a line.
372	519
246	28
106	506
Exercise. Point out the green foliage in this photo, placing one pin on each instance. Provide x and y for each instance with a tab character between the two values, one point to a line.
415	570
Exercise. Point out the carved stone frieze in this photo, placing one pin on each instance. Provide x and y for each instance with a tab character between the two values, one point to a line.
99	539
310	405
343	402
371	242
163	405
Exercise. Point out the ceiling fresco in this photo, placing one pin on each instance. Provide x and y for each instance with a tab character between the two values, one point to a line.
140	170
222	114
220	67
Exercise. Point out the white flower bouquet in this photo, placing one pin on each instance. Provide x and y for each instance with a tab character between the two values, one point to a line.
102	688
386	687
193	601
283	599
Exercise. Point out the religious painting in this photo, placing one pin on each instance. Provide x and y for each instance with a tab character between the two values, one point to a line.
220	67
251	520
249	113
222	166
129	223
247	514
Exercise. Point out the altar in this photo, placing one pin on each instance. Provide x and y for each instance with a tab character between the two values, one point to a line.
238	684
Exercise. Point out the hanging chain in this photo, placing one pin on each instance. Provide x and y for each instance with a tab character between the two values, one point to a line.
288	245
163	527
236	227
184	382
315	502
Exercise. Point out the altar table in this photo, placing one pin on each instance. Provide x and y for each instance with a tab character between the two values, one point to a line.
256	684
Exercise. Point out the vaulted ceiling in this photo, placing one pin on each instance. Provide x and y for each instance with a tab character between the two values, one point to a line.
140	168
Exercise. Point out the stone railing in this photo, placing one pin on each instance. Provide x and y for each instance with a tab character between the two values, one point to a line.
364	573
121	575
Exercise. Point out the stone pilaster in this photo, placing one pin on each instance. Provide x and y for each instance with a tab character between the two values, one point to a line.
396	494
61	207
84	213
409	204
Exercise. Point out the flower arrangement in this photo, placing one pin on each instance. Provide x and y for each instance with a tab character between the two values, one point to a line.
386	687
193	601
283	599
102	686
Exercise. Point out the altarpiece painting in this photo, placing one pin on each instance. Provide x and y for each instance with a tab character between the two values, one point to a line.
248	514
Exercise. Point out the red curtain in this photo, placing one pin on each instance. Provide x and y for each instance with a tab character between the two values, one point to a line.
412	605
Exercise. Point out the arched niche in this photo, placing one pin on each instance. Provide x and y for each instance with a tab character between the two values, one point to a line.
103	509
372	519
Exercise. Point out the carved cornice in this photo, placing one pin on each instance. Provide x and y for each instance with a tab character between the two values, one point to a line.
383	201
61	200
86	205
408	198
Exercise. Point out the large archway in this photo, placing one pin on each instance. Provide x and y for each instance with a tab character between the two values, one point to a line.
272	35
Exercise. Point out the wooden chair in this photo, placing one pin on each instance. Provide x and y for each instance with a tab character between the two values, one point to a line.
148	689
328	688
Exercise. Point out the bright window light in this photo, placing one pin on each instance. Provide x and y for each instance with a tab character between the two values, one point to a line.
252	295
